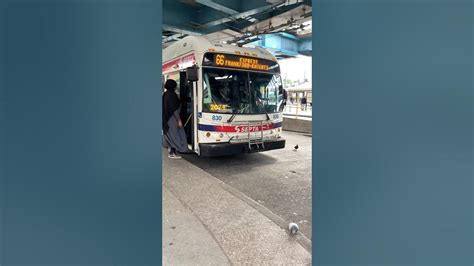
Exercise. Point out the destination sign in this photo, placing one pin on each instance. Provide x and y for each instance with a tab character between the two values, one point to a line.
240	62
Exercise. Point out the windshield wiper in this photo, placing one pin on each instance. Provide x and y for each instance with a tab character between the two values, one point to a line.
231	118
268	117
266	113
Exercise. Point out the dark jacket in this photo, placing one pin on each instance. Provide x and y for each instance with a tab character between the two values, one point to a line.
170	105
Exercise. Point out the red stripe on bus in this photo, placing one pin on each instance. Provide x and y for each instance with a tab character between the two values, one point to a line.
238	128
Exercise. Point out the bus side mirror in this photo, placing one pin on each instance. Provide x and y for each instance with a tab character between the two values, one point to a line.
192	74
282	107
282	92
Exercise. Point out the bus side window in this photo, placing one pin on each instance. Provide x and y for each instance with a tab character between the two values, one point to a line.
206	94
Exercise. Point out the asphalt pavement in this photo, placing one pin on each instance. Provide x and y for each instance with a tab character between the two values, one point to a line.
279	180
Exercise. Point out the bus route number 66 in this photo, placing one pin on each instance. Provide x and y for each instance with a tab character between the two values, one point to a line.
220	59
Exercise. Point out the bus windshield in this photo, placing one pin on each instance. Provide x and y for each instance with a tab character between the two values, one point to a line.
239	92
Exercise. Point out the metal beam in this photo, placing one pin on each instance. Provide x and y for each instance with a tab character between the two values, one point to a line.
179	30
282	43
179	33
253	12
305	46
217	6
172	38
284	21
241	15
224	9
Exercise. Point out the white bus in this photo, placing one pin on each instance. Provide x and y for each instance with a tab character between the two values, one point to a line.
231	97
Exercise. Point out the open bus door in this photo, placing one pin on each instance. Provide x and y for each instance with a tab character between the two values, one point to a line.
187	112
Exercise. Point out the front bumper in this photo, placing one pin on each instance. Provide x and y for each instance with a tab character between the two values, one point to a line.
222	149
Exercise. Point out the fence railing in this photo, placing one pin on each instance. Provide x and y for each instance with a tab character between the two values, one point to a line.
298	110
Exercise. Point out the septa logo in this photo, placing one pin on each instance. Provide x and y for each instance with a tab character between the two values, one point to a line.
252	128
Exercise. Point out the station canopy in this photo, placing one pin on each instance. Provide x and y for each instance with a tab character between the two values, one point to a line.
283	27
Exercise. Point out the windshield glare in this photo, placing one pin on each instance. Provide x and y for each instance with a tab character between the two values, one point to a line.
240	92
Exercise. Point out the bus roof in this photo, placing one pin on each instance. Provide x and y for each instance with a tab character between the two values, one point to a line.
201	45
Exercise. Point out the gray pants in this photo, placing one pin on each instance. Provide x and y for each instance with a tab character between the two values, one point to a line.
175	138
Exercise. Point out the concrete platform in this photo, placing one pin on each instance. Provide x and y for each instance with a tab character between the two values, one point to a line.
300	124
185	238
239	231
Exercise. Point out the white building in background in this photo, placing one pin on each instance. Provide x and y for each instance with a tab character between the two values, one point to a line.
299	71
296	93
